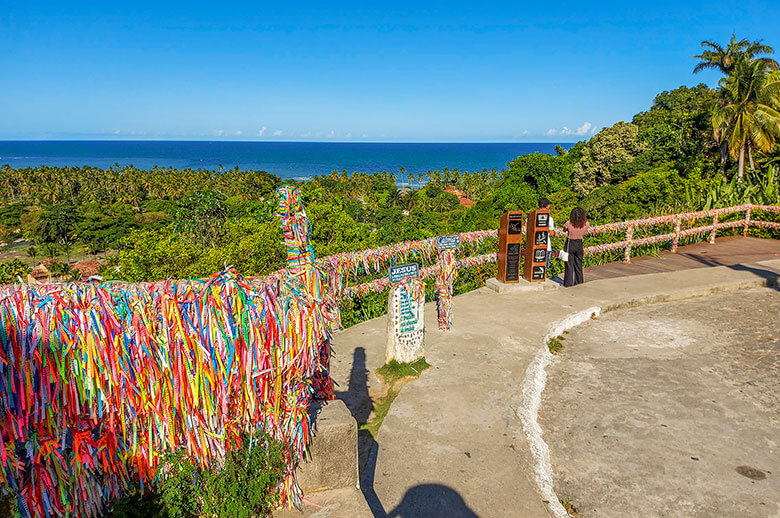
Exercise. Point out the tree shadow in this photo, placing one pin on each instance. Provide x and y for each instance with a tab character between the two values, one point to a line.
769	276
432	501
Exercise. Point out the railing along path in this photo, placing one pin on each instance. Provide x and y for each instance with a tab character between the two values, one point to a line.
352	264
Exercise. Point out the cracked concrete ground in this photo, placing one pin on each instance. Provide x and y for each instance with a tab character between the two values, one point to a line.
693	393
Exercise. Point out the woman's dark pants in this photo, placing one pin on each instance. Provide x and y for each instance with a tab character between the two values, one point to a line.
573	274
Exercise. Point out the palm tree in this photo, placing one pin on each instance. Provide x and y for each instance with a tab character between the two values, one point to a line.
726	59
395	197
747	117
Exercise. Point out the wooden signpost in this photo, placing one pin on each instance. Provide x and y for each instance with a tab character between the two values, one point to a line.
537	232
510	245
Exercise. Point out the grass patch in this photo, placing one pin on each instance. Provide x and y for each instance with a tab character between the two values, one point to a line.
393	371
555	345
394	375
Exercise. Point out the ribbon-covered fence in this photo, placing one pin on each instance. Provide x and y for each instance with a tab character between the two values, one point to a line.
98	381
341	268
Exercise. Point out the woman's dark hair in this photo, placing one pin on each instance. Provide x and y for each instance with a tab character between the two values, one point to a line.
578	217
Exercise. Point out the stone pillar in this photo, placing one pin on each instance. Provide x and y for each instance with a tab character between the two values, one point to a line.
406	321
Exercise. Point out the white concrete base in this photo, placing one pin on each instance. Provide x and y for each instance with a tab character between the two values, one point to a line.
520	286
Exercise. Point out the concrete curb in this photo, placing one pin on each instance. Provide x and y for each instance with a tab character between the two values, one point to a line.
535	378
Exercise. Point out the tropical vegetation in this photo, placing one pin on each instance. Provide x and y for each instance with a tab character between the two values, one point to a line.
694	148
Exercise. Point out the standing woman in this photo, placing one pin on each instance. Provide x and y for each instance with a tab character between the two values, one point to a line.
575	229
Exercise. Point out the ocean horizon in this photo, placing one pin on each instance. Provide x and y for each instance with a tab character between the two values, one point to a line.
296	160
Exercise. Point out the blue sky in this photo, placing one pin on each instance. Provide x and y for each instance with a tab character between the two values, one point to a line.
351	71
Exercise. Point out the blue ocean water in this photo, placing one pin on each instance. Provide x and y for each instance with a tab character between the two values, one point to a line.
298	160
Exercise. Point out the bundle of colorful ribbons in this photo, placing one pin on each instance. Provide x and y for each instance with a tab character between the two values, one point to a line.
99	381
318	281
445	280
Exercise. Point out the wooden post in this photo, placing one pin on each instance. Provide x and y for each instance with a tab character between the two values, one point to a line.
510	243
629	242
748	213
714	229
676	239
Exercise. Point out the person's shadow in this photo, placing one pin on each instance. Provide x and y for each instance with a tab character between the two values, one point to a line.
432	501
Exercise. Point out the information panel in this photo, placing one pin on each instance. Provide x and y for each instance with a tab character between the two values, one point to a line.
405	271
447	242
537	234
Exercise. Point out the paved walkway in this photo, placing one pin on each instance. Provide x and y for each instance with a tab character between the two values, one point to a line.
726	251
462	440
679	406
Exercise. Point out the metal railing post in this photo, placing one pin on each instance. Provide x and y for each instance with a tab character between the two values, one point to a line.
629	242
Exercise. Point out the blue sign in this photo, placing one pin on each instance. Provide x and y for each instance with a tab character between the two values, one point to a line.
447	242
399	273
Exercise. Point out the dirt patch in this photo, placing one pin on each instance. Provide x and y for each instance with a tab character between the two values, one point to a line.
670	410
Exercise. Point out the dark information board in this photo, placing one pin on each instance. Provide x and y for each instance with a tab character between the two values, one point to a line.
510	246
513	262
537	232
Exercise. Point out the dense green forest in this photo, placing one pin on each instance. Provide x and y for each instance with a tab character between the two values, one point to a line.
694	148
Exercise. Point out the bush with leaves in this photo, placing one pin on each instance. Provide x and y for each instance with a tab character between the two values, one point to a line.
246	486
11	271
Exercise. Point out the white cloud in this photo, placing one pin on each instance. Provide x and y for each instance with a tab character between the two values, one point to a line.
116	132
525	132
348	135
262	131
219	133
277	133
331	134
237	133
585	128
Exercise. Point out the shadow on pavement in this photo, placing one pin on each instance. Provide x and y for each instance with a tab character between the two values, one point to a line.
433	501
360	405
768	275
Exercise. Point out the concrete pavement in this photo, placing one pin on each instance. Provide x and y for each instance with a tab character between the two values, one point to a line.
463	439
670	410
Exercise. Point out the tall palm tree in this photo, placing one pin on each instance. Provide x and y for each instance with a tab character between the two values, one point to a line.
747	118
725	59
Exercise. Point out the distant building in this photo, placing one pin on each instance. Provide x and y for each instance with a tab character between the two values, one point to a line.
464	200
87	268
42	272
83	270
